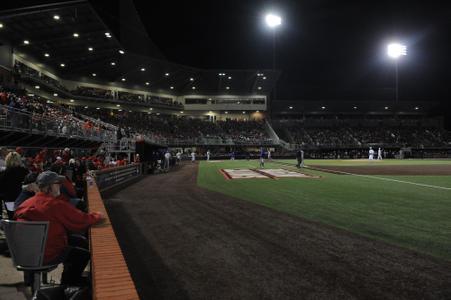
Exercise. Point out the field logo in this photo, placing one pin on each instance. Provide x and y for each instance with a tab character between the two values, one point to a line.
262	173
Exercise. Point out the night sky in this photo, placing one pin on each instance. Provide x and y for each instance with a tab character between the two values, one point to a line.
325	49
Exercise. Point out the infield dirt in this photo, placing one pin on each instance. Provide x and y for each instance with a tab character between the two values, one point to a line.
184	242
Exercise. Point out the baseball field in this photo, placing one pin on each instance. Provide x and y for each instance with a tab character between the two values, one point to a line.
333	230
403	202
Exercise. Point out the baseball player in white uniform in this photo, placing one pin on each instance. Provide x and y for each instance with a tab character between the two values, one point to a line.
371	154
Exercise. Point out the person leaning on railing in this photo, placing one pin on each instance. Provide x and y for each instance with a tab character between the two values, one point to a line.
64	219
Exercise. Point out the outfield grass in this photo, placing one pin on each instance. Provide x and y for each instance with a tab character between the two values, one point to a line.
411	216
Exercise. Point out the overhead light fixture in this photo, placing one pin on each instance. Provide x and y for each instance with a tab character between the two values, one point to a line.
158	114
226	112
147	83
355	107
323	107
259	88
417	108
113	63
118	105
56	17
227	87
94	74
90	49
273	20
171	87
120	110
26	42
97	108
37	87
193	87
55	95
143	69
75	35
290	107
386	107
121	51
62	65
71	100
86	107
108	35
46	54
123	79
166	74
230	77
244	112
264	78
257	111
1	25
150	108
181	112
396	50
191	79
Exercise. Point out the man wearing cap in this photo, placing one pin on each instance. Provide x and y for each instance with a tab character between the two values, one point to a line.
63	218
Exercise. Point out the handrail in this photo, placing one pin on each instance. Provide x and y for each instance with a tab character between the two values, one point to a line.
111	277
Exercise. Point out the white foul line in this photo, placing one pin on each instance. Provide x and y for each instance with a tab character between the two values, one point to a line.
383	178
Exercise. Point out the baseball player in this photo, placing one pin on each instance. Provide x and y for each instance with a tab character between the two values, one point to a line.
371	154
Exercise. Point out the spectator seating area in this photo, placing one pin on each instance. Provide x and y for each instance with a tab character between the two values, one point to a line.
33	114
414	132
22	70
172	128
92	92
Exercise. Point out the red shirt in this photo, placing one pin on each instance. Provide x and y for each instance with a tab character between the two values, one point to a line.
62	217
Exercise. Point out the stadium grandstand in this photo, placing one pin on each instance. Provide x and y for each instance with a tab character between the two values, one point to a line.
94	107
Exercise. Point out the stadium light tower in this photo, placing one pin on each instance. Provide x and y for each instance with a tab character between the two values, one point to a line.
395	51
273	21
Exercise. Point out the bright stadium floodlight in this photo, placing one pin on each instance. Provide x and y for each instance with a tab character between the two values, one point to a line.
395	50
273	20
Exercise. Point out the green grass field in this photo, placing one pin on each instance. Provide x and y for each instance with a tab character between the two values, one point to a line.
408	215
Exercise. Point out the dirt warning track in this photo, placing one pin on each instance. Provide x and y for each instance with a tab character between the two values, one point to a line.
438	170
184	242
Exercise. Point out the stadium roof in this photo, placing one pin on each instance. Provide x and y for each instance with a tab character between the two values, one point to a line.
71	40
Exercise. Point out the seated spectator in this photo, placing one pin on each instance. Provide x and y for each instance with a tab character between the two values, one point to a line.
63	219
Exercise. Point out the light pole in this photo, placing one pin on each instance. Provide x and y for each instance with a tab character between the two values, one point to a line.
395	51
273	21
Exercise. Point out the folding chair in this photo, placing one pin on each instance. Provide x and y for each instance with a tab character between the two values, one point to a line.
26	241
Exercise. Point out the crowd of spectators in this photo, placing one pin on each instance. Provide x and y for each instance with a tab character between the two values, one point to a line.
171	127
417	133
35	114
49	185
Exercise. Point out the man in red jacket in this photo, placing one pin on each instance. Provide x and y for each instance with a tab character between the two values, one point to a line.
63	219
